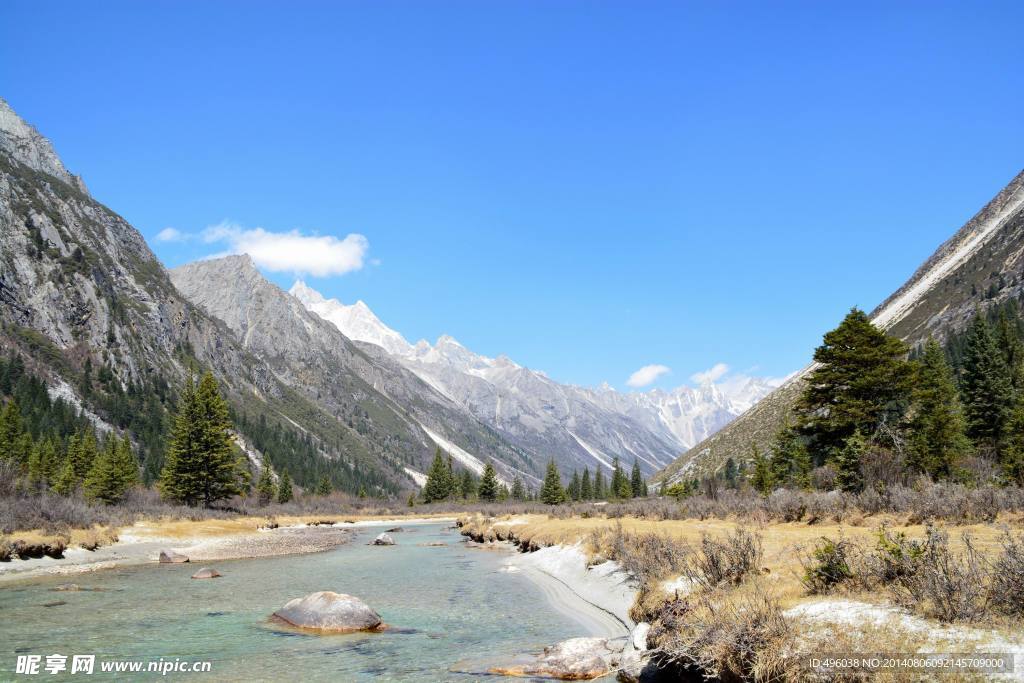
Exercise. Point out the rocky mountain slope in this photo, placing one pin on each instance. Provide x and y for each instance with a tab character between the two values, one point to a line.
981	264
85	301
578	426
315	359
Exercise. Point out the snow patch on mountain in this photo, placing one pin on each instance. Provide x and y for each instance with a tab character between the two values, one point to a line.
418	477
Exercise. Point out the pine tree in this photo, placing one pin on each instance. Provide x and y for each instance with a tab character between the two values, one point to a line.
984	385
862	382
586	490
552	493
266	491
790	462
284	488
467	485
66	481
1011	457
488	483
621	488
636	480
731	473
599	492
201	467
518	492
11	430
572	491
439	484
937	428
848	462
42	464
113	473
761	478
324	487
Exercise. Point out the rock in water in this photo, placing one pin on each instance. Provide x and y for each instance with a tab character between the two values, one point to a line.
576	659
171	557
384	539
206	573
328	612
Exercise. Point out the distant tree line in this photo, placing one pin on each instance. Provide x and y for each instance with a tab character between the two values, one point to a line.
445	481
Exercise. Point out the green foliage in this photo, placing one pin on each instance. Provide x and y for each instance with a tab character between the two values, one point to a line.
113	472
323	487
761	478
848	464
682	489
600	493
201	466
552	492
620	486
828	566
938	438
985	385
572	491
636	481
518	491
586	488
266	490
861	383
488	483
790	463
284	489
467	485
440	483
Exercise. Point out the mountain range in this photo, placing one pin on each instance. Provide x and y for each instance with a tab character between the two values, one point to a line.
314	386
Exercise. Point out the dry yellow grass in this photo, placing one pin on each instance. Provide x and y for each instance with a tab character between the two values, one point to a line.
782	542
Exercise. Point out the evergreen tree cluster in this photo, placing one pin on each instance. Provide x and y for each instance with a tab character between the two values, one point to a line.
935	411
54	446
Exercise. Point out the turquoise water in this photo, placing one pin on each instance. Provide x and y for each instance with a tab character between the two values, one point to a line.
452	611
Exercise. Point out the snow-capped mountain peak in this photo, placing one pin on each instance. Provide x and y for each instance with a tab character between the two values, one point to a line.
356	321
578	426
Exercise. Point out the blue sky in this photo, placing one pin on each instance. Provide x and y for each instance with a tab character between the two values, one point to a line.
586	187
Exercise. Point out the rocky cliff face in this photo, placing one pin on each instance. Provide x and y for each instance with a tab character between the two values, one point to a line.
981	264
314	358
86	302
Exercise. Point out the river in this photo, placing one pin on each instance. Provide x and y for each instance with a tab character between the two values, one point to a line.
453	611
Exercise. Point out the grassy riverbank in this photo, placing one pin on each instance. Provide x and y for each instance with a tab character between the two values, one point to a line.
745	598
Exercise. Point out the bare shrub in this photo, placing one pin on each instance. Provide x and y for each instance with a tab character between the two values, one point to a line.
827	565
724	562
945	585
646	556
1007	589
725	638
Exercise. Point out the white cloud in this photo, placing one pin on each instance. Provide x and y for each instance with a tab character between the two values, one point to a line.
712	374
171	235
292	252
646	375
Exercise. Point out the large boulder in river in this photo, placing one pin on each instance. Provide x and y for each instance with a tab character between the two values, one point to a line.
384	539
171	557
328	612
576	659
206	573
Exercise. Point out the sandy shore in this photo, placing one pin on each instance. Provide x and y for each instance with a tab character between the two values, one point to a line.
201	542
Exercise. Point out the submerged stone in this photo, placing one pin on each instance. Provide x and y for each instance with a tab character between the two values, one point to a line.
576	659
206	573
172	557
329	612
384	539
